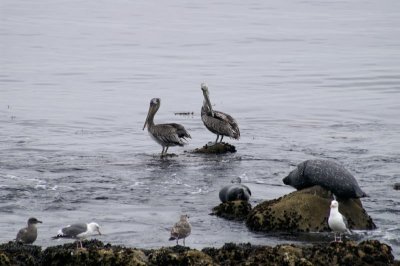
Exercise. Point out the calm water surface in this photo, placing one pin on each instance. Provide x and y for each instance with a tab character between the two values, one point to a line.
305	79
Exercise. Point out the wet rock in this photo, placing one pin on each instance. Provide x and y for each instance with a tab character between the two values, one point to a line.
217	148
304	211
178	255
94	253
13	253
396	186
370	252
233	210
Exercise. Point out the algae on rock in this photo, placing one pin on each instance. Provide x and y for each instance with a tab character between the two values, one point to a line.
306	210
233	210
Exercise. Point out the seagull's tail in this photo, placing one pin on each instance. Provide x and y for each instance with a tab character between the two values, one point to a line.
57	237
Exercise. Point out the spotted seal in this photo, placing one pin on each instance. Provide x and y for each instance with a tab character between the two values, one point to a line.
327	174
235	191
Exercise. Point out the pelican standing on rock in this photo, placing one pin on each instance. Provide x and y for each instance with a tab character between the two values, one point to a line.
164	134
217	122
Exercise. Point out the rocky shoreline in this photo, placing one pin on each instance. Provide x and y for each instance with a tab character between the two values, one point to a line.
370	252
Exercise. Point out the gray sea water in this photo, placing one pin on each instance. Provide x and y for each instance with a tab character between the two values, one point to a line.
304	79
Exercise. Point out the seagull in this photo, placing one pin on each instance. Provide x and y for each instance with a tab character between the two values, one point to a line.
166	135
337	222
78	231
181	229
28	235
217	122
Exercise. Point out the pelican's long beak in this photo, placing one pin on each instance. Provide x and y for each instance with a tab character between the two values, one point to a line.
207	98
147	118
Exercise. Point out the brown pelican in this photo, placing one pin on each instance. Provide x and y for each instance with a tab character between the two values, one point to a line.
164	134
217	122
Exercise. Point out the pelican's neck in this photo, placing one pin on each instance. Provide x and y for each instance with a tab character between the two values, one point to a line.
150	117
150	120
207	104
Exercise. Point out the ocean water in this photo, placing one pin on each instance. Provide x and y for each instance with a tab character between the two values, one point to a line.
304	80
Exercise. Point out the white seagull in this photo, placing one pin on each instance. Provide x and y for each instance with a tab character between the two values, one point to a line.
78	231
336	221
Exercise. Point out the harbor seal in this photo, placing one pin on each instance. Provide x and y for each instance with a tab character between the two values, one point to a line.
328	174
234	192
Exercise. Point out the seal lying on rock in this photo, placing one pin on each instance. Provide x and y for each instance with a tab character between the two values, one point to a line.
325	173
235	191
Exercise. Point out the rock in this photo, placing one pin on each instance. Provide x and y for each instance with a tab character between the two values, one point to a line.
217	148
370	252
13	253
233	210
304	211
396	186
179	255
348	253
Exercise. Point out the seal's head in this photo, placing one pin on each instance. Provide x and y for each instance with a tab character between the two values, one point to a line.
296	177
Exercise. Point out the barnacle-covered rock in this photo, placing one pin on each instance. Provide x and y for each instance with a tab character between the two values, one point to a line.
306	210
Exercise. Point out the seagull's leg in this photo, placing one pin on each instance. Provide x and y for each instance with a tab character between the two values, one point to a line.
221	138
217	138
340	237
177	241
183	241
166	150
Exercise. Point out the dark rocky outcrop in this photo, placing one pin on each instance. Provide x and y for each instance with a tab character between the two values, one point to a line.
233	210
304	211
396	186
218	148
370	252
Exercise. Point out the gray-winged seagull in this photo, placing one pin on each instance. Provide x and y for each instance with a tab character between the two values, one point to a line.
28	235
78	231
181	229
336	221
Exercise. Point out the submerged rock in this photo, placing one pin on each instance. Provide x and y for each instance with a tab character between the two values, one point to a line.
370	252
233	210
396	186
217	148
306	210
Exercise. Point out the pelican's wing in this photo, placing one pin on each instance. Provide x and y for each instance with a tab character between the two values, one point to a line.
180	130
230	123
170	133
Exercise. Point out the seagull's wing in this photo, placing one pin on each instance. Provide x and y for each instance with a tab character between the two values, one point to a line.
346	224
74	230
20	234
